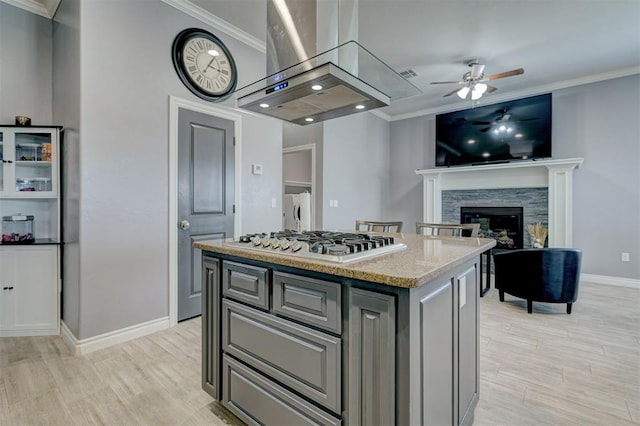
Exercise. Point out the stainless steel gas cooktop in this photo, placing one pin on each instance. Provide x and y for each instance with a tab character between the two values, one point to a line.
339	247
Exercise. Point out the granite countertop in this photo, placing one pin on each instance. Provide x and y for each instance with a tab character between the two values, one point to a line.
425	258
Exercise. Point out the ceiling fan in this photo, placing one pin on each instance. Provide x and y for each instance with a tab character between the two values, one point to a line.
474	81
504	119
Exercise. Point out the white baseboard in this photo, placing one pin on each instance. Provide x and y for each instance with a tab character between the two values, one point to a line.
91	344
607	280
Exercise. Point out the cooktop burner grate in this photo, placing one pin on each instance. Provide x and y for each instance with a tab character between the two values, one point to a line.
340	247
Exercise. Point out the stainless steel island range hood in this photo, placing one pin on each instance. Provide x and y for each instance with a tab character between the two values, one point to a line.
307	89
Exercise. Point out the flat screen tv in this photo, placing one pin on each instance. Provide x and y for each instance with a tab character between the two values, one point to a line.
508	131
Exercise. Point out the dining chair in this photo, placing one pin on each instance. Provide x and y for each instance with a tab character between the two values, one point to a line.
442	229
378	226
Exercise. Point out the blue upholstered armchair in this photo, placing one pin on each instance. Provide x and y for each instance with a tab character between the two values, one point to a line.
539	275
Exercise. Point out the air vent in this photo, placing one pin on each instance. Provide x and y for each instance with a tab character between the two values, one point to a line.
408	73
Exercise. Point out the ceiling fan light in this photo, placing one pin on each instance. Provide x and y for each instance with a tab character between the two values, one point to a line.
462	93
478	91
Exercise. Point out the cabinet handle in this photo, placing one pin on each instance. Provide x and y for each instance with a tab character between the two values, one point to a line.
11	288
5	288
7	161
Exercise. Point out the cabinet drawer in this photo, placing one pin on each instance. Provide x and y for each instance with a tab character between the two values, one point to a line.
246	283
251	396
303	359
312	301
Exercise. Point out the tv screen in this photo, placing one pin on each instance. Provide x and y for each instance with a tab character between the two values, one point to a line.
503	132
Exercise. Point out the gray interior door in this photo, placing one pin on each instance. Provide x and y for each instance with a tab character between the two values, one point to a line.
205	197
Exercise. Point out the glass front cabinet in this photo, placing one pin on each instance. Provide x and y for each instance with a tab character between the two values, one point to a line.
28	162
30	226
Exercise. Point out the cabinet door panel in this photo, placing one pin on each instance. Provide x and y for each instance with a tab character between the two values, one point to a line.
372	349
436	355
251	396
30	304
467	344
249	284
211	326
36	288
304	359
308	300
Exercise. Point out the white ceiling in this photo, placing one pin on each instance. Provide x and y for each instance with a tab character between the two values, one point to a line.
559	43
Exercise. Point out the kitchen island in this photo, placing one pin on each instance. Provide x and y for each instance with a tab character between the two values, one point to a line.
392	339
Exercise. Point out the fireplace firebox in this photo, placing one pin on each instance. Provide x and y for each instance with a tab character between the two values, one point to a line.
504	224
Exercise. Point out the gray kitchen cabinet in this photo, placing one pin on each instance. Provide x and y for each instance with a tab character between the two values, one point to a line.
251	396
300	349
211	326
468	367
372	349
246	283
309	300
306	360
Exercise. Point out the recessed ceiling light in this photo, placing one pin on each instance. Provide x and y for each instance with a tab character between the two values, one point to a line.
316	87
471	141
359	106
486	154
308	119
213	52
264	105
518	135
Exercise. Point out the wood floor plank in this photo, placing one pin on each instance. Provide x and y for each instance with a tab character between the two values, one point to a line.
545	368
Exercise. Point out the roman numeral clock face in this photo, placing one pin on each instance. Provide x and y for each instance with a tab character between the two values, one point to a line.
204	64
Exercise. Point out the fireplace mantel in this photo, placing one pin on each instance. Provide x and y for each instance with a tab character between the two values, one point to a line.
557	175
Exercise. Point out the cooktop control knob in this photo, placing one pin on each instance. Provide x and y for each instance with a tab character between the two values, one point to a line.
295	246
266	242
275	243
256	241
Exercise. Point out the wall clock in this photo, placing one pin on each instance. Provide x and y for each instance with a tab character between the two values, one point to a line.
204	64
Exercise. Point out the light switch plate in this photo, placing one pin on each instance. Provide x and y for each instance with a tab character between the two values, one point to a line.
256	169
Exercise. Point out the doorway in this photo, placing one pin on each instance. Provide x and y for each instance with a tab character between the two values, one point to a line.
205	121
299	175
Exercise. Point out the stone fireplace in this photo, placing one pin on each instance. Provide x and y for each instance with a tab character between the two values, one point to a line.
533	202
503	224
546	185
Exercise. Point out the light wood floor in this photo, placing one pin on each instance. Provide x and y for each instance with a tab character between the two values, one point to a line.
546	368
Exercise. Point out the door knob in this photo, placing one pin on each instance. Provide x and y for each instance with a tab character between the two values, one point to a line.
184	224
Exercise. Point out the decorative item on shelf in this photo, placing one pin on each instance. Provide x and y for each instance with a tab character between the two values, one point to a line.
538	235
46	152
18	229
22	120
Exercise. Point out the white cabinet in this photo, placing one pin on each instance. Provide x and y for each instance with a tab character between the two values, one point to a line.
30	273
29	162
29	290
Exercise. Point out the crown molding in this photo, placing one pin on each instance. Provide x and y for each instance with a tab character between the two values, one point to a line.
44	8
208	18
523	93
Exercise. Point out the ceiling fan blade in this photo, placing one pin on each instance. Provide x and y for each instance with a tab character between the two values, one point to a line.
482	123
476	71
451	93
447	82
505	74
485	130
491	89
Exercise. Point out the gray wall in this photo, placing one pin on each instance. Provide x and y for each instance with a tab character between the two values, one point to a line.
597	121
118	261
66	109
355	169
25	66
